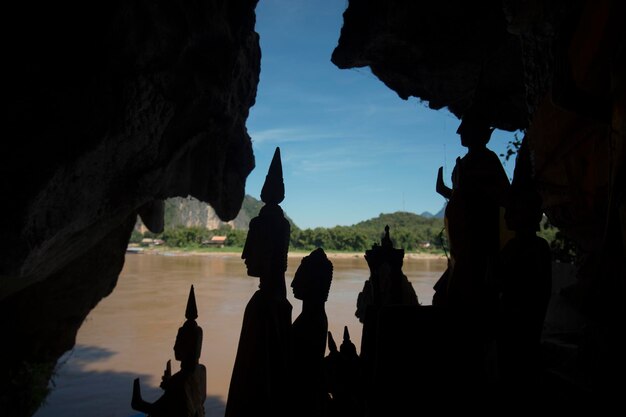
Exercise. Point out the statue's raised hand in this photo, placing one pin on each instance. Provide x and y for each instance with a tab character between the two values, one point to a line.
167	374
441	187
136	401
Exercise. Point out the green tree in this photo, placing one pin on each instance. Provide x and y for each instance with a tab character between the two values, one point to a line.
563	248
135	236
408	231
181	236
236	238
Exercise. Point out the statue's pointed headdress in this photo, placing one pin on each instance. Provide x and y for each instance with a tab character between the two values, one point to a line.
386	240
191	312
332	346
346	334
273	191
385	252
347	348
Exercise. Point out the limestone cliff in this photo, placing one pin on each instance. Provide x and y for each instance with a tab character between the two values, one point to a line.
191	212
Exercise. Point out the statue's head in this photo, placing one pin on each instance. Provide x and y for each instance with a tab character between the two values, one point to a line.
267	243
188	345
474	130
313	277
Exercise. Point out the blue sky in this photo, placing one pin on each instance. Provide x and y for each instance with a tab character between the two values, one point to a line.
351	148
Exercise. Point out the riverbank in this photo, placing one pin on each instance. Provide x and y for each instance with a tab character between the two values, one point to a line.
160	250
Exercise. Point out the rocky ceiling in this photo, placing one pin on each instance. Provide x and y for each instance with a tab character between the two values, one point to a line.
113	106
448	53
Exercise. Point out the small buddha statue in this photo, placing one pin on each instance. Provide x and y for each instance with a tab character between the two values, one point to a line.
344	378
185	391
311	284
386	286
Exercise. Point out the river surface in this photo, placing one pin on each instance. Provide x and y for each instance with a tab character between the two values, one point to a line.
131	333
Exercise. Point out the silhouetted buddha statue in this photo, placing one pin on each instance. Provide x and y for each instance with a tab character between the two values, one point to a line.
347	348
185	391
345	378
259	379
526	283
310	284
331	370
387	285
348	389
472	217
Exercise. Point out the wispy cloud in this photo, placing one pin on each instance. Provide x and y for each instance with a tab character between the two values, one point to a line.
275	135
311	166
323	149
330	161
280	135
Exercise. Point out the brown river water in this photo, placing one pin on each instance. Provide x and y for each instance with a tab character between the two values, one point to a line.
131	333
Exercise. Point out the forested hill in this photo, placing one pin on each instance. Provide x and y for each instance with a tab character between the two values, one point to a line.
408	231
398	220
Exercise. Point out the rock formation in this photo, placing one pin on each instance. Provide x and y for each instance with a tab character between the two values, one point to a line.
111	106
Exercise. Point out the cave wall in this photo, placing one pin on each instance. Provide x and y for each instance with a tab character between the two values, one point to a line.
41	322
112	107
555	70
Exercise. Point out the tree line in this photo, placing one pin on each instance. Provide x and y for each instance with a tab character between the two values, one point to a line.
408	231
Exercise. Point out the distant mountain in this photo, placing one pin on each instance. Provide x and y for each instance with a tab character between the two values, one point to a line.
438	215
